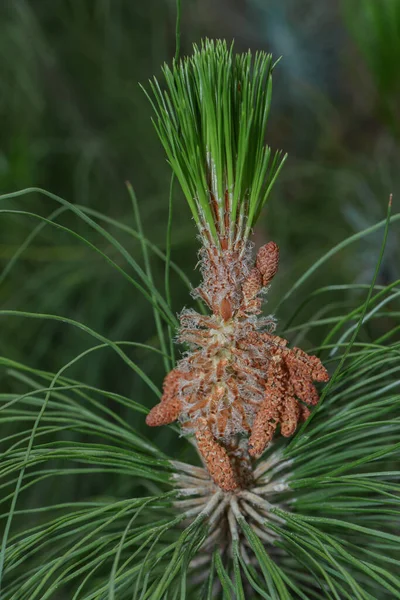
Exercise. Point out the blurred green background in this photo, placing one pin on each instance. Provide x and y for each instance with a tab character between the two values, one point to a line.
74	121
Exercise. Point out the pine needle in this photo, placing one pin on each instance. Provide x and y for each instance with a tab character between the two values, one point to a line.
212	120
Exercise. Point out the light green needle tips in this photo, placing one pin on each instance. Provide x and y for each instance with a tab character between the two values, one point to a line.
212	120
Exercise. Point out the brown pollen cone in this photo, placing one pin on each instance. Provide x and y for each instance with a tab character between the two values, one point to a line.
253	284
251	289
290	373
237	382
267	261
267	418
216	459
169	408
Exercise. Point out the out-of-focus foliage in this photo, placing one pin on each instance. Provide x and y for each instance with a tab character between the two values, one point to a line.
74	121
376	29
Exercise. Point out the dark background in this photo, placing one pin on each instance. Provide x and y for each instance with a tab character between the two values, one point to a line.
73	120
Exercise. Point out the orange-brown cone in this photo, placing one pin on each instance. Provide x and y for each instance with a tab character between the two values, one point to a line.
164	413
170	406
252	285
267	261
216	459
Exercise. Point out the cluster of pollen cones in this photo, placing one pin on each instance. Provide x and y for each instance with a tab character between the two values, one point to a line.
238	381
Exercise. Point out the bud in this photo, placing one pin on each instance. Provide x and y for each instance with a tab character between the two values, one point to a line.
252	285
267	261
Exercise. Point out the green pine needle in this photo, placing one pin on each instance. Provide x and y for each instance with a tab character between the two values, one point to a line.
122	537
212	119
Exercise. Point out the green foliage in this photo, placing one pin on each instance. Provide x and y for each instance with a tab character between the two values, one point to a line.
375	25
71	108
114	532
211	120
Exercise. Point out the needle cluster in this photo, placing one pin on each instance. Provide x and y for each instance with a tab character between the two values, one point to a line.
212	120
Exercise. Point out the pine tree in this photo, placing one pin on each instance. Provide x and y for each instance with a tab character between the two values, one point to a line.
291	496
